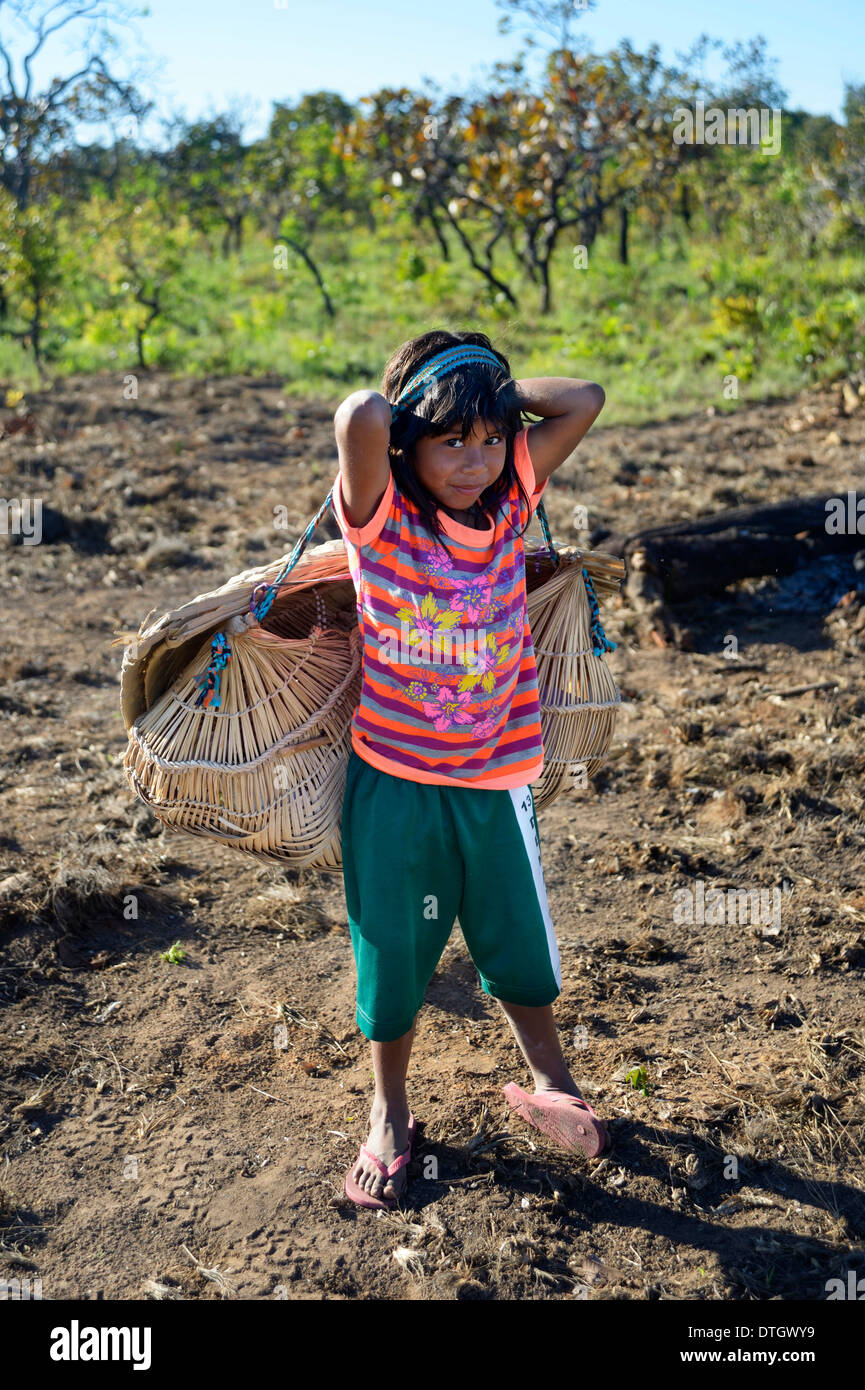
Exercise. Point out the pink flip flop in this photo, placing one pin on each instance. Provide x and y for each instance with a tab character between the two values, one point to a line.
362	1198
567	1119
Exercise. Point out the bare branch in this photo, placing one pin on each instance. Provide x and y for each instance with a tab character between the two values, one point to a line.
42	34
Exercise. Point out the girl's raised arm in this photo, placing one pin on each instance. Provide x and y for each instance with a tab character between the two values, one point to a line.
362	428
571	407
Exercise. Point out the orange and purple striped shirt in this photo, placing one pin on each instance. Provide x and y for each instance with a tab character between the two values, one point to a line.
449	691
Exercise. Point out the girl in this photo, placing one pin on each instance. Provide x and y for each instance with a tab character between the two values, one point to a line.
437	481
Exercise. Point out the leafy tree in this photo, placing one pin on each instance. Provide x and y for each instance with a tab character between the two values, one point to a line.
210	175
78	171
304	180
432	151
406	142
840	178
591	139
713	172
32	276
136	250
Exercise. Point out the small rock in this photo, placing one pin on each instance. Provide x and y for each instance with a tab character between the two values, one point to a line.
15	886
725	810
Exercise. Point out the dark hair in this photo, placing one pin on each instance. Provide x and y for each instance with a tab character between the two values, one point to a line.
476	391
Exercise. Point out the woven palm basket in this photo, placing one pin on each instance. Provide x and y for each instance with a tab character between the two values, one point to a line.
238	704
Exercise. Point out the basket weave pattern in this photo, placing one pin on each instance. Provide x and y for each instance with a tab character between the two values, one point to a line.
263	770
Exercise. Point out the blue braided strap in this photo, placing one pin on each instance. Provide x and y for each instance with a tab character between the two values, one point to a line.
260	607
601	642
220	651
220	654
541	514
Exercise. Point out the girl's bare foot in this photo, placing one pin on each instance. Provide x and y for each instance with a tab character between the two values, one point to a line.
387	1139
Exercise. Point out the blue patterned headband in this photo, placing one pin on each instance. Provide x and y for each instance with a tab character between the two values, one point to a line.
437	367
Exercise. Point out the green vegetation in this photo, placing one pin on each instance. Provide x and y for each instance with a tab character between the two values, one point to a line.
175	954
639	1079
562	218
661	334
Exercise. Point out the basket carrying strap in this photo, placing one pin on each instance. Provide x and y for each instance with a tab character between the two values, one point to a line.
268	592
600	642
209	695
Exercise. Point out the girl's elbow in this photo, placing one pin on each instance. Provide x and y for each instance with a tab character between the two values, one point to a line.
350	404
360	404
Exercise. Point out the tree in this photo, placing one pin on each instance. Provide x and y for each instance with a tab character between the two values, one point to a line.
591	138
33	268
77	171
841	177
210	174
747	82
552	17
135	248
421	145
304	181
521	167
33	123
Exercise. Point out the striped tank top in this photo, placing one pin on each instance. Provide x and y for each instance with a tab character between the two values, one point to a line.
449	690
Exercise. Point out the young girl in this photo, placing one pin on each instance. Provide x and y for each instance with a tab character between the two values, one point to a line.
437	481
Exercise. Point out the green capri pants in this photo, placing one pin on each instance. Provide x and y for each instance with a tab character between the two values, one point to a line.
414	857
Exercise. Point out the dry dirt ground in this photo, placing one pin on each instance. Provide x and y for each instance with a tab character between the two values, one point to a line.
181	1130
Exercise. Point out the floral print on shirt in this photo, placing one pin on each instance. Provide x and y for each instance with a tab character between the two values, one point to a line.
438	560
460	704
470	603
429	620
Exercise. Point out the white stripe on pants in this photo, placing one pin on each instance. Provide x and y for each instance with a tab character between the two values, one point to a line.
524	809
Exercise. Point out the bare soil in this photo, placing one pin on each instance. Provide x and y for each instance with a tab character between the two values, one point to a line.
182	1130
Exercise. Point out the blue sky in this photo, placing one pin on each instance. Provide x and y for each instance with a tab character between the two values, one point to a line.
206	54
